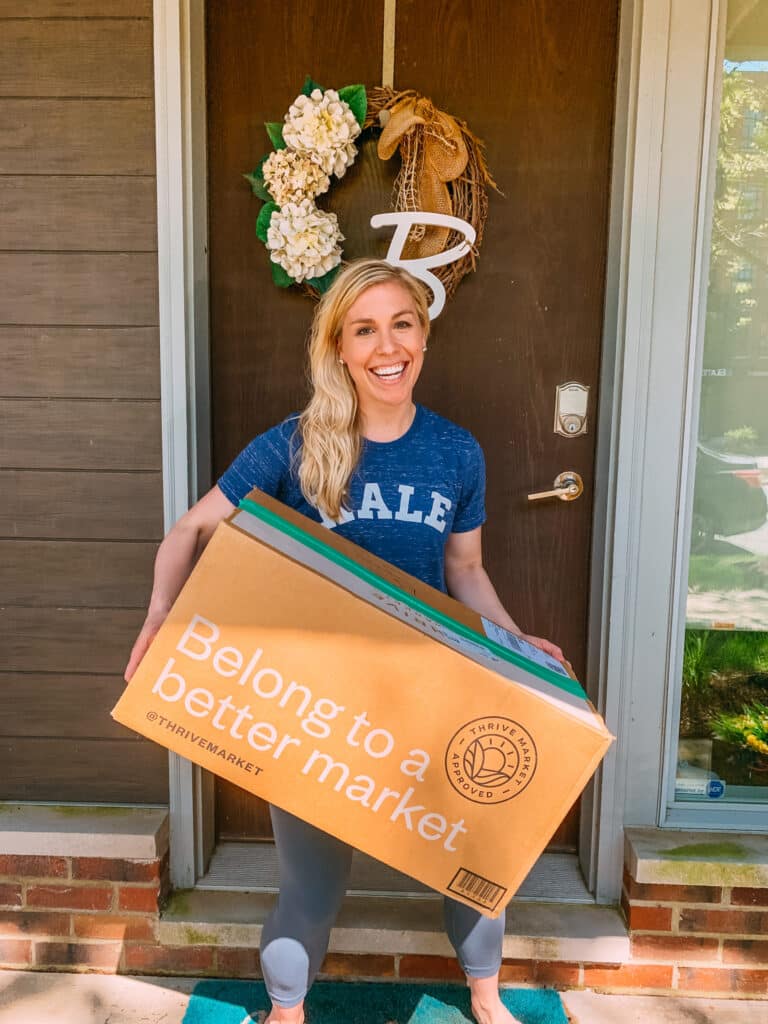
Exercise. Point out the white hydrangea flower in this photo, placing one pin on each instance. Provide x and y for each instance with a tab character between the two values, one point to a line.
322	127
291	177
304	240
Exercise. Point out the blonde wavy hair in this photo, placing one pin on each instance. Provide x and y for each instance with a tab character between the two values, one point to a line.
329	426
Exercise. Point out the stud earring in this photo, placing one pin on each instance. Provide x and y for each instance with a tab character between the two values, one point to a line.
341	360
424	349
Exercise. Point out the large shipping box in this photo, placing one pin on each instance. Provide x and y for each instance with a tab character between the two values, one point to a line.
345	691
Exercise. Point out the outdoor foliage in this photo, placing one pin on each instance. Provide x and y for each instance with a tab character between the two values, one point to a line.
722	671
740	218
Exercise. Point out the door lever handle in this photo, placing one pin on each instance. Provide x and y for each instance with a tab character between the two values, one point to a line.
567	486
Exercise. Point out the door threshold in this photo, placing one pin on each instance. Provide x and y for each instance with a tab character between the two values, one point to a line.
252	867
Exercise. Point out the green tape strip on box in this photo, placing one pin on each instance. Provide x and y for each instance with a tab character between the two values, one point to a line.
563	682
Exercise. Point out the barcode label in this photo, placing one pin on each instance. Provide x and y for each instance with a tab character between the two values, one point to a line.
477	889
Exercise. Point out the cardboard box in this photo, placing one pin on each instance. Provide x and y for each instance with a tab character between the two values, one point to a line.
332	684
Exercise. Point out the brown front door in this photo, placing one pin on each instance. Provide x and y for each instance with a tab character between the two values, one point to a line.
535	80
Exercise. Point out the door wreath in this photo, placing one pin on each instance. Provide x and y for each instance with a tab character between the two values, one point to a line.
443	170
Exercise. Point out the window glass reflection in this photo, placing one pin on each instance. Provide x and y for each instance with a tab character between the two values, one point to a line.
723	746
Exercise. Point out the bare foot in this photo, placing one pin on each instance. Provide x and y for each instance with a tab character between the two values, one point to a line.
260	1017
286	1015
487	1007
492	1012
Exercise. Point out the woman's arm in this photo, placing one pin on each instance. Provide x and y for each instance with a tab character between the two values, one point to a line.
175	560
468	582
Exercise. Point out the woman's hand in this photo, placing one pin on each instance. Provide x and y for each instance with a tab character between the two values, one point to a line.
148	632
468	581
544	645
549	648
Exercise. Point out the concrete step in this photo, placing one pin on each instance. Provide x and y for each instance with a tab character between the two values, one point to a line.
534	931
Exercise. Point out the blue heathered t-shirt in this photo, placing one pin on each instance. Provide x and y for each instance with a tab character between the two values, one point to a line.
405	496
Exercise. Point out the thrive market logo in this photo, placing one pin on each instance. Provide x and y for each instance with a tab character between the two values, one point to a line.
490	760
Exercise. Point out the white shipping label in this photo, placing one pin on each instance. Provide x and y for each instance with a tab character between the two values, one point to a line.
519	646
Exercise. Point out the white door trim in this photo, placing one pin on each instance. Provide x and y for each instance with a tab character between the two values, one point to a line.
183	297
660	312
601	838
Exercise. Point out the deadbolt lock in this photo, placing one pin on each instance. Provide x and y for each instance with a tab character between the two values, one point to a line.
571	402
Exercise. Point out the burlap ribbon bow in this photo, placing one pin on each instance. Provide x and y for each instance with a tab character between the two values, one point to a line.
426	168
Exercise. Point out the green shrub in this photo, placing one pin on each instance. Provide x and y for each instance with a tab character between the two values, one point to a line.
718	652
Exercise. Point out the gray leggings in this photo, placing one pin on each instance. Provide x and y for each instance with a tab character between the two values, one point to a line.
314	868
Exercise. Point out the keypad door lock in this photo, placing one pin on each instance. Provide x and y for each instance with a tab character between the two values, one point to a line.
571	402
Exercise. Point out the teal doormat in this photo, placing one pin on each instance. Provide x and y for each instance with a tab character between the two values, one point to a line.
340	1002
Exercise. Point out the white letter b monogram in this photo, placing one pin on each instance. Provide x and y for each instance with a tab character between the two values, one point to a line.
421	268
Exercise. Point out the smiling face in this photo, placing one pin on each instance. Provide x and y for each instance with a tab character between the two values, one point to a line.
381	343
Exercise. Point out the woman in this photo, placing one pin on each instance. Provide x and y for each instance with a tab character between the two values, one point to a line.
407	485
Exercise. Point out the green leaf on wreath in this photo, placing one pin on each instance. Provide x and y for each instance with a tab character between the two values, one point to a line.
262	221
322	284
310	85
357	99
275	133
259	172
258	186
280	277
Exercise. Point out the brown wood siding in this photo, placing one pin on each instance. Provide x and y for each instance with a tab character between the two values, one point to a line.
70	640
81	505
80	362
49	136
67	766
77	9
114	214
76	58
109	574
80	431
78	288
57	433
69	719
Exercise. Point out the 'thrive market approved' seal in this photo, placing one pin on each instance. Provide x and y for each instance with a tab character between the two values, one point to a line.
491	760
